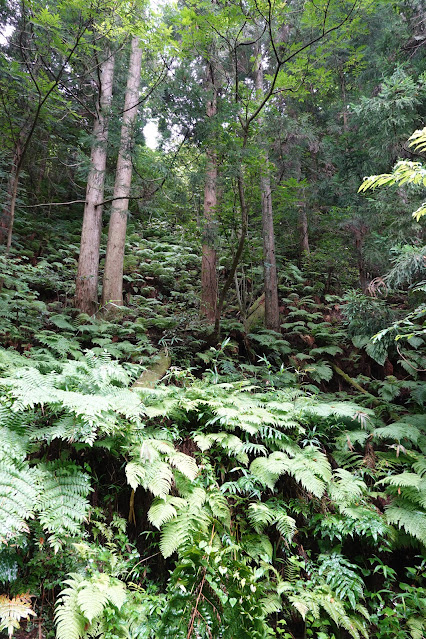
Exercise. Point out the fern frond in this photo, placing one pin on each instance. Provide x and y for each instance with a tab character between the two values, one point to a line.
91	600
342	577
18	498
345	488
70	622
63	501
163	509
262	515
408	516
177	532
13	610
312	469
184	463
398	431
403	479
83	602
156	476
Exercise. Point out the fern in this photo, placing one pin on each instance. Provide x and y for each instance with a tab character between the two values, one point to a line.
398	431
262	515
342	577
345	488
405	514
83	602
357	522
18	498
63	501
322	597
408	507
154	467
12	611
310	467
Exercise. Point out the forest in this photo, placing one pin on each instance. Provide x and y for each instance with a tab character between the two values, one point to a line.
212	319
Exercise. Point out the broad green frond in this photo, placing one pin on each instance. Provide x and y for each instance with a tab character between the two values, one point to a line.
163	510
83	601
91	600
398	431
309	466
70	622
345	488
184	463
408	516
342	577
403	479
63	501
18	498
418	140
156	476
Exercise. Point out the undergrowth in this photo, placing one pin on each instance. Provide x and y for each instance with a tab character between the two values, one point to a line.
272	485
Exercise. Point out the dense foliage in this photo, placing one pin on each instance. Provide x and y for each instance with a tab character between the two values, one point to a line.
182	460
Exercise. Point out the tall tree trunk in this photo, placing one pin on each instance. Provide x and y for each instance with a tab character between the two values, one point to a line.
238	252
8	214
344	99
303	229
302	218
112	290
209	284
86	293
272	314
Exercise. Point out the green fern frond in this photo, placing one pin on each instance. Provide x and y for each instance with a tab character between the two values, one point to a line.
63	501
345	488
408	516
219	506
258	547
417	627
267	469
91	600
262	515
184	463
338	409
177	532
156	476
163	509
82	603
342	577
398	431
420	466
18	498
69	620
403	479
312	469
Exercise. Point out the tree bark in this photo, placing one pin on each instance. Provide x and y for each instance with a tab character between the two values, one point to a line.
272	313
8	215
86	294
303	230
112	290
238	253
209	284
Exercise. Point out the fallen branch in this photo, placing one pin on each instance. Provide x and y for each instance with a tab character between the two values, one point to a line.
355	384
